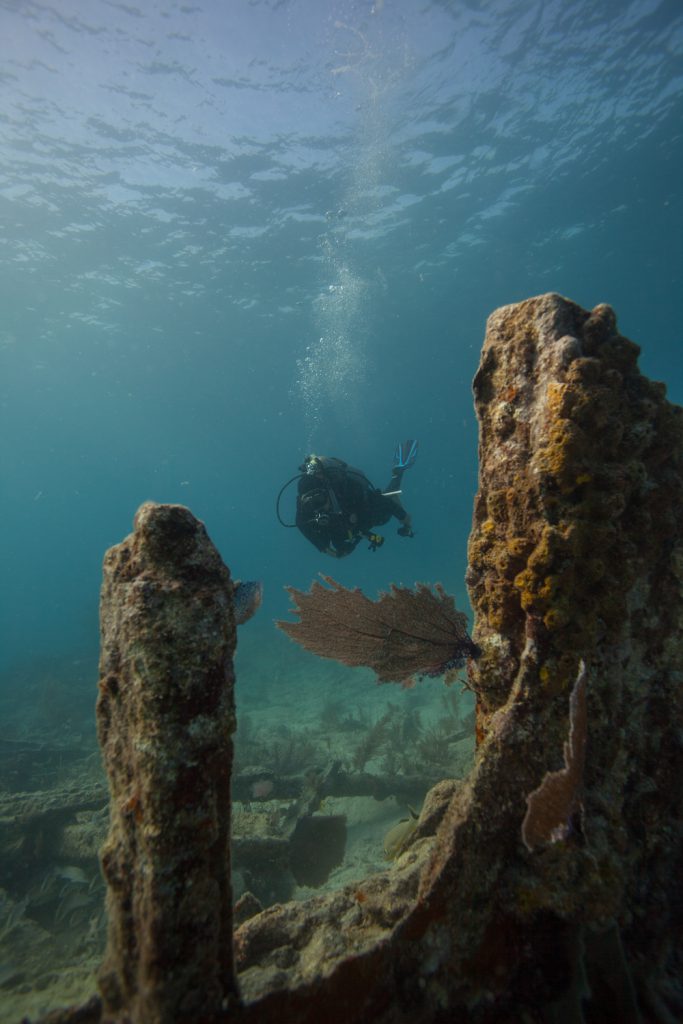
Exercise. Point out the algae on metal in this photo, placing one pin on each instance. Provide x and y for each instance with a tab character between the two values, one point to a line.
165	716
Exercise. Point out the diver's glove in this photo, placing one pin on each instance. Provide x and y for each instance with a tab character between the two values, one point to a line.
405	531
376	541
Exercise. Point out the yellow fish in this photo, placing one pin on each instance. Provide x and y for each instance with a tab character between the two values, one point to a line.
396	838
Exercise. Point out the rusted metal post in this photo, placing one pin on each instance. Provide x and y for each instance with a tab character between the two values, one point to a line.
165	717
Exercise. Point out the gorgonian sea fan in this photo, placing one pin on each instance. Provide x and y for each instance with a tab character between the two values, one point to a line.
403	635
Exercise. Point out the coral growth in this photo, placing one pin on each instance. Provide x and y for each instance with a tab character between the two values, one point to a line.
165	716
577	492
551	806
404	634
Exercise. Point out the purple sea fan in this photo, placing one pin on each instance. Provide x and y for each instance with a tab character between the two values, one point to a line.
404	634
551	806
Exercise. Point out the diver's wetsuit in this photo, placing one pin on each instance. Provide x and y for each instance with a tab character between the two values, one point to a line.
337	505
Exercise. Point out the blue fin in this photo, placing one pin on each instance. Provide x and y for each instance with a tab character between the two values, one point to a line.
405	454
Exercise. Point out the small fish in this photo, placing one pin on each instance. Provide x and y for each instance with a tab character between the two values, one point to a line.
72	873
396	838
246	599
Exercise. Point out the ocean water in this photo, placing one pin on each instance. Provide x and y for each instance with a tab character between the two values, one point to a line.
233	233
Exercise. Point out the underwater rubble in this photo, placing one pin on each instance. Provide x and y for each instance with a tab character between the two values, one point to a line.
52	920
297	793
576	579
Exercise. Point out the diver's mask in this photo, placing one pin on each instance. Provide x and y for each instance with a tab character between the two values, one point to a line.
311	465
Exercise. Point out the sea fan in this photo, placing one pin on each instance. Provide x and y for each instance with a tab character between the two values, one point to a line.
403	635
550	807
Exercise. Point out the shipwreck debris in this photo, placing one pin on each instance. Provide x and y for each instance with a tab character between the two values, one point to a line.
165	716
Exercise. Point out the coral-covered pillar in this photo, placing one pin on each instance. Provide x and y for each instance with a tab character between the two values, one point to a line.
165	716
577	536
576	579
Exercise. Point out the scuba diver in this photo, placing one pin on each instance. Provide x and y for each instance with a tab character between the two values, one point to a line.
337	506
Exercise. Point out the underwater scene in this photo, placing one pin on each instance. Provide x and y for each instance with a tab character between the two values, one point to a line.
249	250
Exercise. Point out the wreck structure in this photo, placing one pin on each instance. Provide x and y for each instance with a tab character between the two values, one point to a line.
546	886
165	718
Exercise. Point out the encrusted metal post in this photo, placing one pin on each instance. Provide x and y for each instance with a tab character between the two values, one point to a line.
165	717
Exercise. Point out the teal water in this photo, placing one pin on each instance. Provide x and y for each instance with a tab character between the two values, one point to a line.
232	234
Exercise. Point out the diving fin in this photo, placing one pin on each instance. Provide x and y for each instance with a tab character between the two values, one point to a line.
405	454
